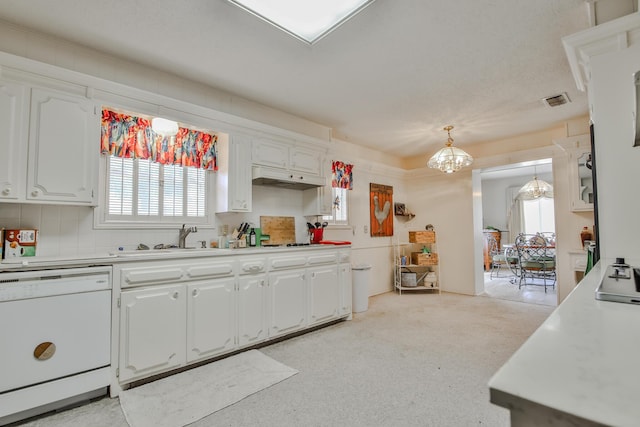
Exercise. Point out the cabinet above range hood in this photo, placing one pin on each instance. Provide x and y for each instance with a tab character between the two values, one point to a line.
285	178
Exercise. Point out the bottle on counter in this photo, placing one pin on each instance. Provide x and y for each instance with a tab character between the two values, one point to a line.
252	237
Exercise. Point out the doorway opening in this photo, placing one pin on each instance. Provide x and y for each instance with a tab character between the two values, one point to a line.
505	213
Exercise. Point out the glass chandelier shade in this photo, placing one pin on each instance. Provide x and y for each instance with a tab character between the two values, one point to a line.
535	189
450	159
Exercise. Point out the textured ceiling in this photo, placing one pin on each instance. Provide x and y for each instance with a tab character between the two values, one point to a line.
391	78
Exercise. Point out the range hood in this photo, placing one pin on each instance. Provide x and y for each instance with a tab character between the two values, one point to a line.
285	179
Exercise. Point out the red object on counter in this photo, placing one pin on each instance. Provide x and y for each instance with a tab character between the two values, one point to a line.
316	235
334	242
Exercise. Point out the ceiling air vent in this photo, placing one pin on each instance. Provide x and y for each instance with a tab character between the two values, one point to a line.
557	100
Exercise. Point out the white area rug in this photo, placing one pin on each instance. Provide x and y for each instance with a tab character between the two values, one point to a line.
186	397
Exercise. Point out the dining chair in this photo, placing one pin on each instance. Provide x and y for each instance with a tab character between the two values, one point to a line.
499	257
536	259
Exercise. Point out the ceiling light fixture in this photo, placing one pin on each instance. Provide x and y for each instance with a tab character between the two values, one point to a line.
536	188
450	159
164	127
308	20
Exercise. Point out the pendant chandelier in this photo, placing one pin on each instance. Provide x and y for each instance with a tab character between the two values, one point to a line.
536	188
450	159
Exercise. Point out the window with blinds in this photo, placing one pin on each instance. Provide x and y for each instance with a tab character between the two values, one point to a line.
340	209
140	190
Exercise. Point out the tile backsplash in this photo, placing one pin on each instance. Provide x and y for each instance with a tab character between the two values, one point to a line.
68	230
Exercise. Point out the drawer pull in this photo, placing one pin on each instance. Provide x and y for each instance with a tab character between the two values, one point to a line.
44	351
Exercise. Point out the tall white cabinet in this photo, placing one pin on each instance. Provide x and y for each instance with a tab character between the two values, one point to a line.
233	179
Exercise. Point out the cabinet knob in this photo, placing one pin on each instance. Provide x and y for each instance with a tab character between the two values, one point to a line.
6	191
194	293
176	294
35	193
302	177
291	176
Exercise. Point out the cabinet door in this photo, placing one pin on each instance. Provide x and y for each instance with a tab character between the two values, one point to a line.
346	295
252	309
152	327
270	153
211	314
581	180
233	180
13	141
317	201
288	302
63	148
324	294
305	160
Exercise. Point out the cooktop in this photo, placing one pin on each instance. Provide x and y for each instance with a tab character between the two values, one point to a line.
621	283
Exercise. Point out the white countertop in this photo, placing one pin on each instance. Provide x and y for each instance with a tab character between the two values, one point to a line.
43	262
583	360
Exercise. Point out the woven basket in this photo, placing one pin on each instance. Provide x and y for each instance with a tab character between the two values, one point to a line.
420	258
422	237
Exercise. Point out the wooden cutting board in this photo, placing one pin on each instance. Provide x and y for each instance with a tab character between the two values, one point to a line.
281	229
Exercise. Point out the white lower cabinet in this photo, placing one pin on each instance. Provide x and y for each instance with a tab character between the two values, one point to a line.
152	325
211	318
287	297
173	314
324	294
252	309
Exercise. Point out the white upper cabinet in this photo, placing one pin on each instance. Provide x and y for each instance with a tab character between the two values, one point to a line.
13	140
319	201
270	153
305	160
282	155
63	148
50	143
233	179
578	149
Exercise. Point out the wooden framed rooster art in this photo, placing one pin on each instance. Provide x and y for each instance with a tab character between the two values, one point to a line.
380	202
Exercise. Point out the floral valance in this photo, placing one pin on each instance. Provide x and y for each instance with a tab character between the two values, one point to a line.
341	175
124	135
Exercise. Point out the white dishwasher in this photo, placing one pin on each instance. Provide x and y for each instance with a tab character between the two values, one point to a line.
55	328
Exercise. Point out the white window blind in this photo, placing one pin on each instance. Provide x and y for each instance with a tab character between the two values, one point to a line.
340	207
140	190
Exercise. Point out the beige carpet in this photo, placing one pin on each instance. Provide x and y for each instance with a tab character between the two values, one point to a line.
181	399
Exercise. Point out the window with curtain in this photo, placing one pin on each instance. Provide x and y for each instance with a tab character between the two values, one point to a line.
341	183
339	210
155	179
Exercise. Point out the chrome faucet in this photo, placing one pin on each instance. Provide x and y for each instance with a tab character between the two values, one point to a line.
184	232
